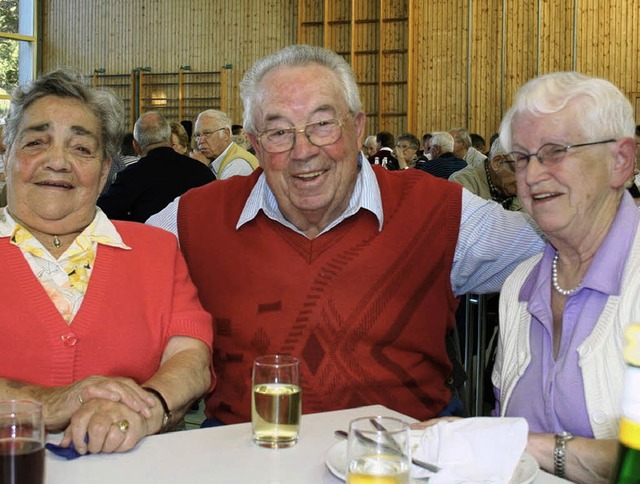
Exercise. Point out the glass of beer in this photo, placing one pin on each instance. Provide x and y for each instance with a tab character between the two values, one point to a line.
378	451
276	401
21	442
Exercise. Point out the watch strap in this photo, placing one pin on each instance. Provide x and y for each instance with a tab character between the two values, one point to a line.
560	453
167	414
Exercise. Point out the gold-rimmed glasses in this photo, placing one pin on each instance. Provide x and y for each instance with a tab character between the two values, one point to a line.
207	133
319	133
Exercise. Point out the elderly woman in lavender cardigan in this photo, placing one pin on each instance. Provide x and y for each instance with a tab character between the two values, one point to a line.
562	313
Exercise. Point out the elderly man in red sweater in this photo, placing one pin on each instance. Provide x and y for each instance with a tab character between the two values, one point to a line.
352	268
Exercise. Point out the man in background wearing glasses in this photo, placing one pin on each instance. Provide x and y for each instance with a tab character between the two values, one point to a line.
212	134
351	268
494	179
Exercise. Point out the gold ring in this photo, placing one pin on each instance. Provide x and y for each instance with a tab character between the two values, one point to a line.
80	399
123	425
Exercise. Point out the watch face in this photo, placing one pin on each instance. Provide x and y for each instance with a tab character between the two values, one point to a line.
563	436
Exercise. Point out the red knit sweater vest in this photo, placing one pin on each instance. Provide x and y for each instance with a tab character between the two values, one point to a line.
365	310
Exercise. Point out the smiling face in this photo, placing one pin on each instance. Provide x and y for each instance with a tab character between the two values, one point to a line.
55	167
580	194
311	184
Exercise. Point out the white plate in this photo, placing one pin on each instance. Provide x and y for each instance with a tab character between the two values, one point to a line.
336	461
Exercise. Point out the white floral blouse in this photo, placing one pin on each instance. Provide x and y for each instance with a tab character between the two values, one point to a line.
65	279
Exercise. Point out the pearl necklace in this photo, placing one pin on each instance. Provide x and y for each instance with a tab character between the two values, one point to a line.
554	278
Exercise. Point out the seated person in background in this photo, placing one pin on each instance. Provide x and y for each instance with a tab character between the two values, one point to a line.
318	209
443	162
370	146
99	321
213	137
179	139
239	137
495	179
161	175
478	142
463	148
384	156
563	313
407	146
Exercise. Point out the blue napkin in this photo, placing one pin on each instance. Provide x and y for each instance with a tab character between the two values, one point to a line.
68	453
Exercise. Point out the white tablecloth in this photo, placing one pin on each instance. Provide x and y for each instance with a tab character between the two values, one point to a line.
221	455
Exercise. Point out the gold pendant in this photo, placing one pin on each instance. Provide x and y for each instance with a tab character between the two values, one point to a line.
56	242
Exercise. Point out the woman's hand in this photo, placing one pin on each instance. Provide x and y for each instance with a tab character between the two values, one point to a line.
107	426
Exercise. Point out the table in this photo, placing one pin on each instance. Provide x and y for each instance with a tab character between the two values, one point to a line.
221	455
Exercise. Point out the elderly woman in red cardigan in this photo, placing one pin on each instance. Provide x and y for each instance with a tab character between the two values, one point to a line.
99	321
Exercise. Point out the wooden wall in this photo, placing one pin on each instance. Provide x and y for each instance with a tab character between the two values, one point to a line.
120	35
464	62
474	63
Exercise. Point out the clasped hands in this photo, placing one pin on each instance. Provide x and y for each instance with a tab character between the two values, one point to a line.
106	414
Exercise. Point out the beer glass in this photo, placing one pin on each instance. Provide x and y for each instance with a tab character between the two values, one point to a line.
378	451
276	401
21	442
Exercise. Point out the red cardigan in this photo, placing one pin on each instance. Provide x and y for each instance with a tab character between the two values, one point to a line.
365	310
136	300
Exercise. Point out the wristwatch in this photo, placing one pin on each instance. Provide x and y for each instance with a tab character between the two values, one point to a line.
167	414
559	453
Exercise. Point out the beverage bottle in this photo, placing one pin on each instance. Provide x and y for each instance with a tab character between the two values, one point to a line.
627	468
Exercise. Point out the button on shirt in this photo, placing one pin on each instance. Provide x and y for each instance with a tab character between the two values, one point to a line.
550	393
65	279
491	243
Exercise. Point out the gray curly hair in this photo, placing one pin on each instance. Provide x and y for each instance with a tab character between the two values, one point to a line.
64	82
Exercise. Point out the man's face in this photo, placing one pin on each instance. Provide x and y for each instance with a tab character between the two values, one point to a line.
211	135
312	184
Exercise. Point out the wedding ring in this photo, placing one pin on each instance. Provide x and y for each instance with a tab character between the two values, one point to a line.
80	399
123	425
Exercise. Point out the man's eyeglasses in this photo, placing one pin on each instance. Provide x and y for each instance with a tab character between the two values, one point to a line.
406	147
550	153
206	134
319	133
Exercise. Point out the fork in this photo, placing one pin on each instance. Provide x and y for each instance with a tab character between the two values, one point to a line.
425	465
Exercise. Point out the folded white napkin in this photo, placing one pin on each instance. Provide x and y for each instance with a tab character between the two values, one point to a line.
473	450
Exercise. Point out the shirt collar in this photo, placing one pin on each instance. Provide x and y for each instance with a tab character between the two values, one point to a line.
366	195
101	230
607	268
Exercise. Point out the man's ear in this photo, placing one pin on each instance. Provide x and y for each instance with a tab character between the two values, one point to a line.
624	161
136	147
495	162
360	120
